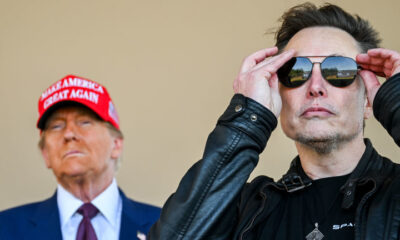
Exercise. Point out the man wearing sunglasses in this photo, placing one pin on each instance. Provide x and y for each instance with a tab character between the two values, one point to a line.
320	79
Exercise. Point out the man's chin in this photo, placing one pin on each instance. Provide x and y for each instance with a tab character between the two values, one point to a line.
323	142
74	173
319	145
316	134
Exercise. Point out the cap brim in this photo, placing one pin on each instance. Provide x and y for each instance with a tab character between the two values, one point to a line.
41	123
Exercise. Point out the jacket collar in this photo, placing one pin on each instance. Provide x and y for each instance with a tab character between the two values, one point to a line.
368	169
295	178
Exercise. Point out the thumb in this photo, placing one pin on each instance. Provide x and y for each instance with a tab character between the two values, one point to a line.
273	82
276	100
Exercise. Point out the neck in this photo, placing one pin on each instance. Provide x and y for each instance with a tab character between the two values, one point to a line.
340	161
86	189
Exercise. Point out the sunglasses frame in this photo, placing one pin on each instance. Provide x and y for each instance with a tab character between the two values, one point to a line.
358	67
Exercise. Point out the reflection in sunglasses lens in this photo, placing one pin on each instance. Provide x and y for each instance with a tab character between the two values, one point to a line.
337	70
301	70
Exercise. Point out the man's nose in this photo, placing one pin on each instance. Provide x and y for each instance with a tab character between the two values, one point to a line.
316	83
70	132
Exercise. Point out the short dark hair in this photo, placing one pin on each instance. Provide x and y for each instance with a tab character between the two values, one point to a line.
309	15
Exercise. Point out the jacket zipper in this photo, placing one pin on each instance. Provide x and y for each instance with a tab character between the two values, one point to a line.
359	208
264	196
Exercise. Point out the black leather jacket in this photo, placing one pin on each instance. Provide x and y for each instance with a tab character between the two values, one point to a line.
213	200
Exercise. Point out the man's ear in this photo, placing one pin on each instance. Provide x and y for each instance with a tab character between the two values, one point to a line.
371	84
369	80
45	157
44	152
367	108
118	144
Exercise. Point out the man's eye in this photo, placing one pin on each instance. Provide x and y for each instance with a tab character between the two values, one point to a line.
85	122
55	126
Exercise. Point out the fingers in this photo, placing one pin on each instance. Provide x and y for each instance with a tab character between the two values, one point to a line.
259	65
273	82
274	63
383	62
257	78
382	52
258	70
396	67
257	57
378	70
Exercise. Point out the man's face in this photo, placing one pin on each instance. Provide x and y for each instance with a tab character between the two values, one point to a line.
77	145
317	113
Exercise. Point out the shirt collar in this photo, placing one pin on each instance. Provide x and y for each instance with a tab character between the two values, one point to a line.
68	204
109	203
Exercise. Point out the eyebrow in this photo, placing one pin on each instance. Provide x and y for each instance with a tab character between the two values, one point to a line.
80	113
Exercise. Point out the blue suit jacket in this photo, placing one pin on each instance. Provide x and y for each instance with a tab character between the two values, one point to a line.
41	220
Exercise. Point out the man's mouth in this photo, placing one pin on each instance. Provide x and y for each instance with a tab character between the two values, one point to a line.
321	112
72	153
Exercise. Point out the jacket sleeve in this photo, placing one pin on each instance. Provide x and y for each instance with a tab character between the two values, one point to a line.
204	205
387	106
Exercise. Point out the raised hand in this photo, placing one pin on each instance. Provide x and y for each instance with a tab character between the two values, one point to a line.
378	61
257	78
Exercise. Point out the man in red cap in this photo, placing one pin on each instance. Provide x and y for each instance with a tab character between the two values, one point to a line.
81	142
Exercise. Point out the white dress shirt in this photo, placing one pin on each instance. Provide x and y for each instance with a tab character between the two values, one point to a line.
106	223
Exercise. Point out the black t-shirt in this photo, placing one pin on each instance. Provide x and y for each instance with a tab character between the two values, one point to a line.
298	212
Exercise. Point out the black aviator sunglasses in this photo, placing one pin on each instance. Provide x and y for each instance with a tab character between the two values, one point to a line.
339	71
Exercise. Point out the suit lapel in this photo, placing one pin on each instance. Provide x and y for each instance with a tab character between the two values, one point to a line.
45	221
129	222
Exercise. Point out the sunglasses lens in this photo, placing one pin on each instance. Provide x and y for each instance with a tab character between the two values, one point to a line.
339	71
295	72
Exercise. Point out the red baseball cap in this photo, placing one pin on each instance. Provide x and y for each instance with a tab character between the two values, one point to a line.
80	90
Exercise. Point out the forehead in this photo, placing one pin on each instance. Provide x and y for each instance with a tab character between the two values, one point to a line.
323	41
